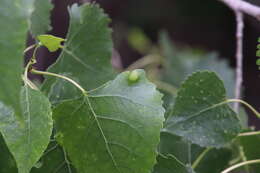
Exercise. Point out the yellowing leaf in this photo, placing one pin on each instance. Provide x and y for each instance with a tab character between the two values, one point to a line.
51	42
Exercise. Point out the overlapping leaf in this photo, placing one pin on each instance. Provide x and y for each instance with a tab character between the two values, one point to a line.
200	113
40	17
250	147
186	154
117	127
170	164
13	22
54	161
87	50
7	163
27	136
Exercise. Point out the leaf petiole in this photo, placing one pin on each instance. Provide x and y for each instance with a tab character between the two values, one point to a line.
30	63
240	164
29	48
199	158
246	104
62	77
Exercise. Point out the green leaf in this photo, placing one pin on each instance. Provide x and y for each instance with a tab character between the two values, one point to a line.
40	17
58	91
243	118
179	63
258	61
87	50
178	147
213	161
250	147
53	161
51	42
200	113
7	163
27	136
13	22
117	127
170	164
258	53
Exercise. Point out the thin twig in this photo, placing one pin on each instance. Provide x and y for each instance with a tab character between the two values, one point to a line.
239	57
145	61
29	48
244	7
250	133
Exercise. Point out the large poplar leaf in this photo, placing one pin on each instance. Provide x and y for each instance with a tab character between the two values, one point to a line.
117	126
40	17
13	22
87	50
27	136
200	113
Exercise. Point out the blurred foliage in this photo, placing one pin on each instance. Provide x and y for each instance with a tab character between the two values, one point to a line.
167	65
258	53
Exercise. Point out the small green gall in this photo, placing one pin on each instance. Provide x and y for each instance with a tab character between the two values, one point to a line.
133	76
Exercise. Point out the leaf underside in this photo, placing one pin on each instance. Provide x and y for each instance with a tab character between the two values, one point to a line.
13	22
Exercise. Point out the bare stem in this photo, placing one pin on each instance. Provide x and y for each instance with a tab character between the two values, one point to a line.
239	57
250	133
244	7
240	164
32	61
62	77
145	61
29	48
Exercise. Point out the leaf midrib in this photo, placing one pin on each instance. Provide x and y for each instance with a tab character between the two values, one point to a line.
87	101
130	100
29	122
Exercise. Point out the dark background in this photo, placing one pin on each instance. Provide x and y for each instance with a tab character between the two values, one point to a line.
205	24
